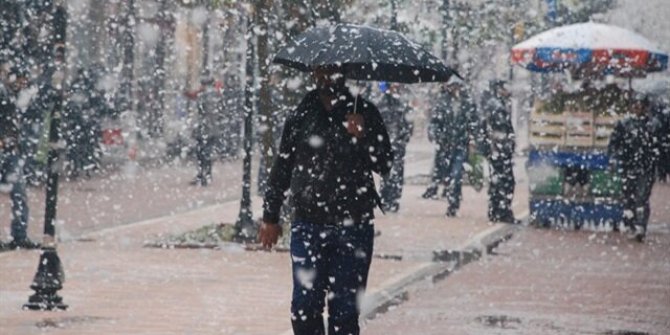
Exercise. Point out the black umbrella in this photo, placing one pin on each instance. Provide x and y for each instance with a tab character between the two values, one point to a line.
365	53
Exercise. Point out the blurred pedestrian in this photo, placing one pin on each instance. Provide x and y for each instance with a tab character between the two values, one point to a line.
394	112
84	110
330	146
436	135
11	165
661	114
453	124
208	129
500	151
633	151
35	129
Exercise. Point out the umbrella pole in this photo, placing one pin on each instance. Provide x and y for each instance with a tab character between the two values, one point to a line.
355	103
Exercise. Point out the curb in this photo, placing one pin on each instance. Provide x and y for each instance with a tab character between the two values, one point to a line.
394	290
444	262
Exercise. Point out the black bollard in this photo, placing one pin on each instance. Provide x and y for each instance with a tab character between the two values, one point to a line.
47	282
50	276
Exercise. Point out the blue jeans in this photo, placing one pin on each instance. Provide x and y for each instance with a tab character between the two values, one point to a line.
329	261
11	168
455	158
636	191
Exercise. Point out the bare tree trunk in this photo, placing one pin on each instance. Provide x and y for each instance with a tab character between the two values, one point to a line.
245	229
96	27
266	120
205	42
128	68
445	29
166	26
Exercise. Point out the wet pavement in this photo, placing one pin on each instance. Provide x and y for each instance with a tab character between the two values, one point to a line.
547	281
539	282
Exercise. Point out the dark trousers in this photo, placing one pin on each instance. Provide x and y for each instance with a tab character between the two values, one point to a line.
440	169
204	150
448	170
330	265
501	188
11	174
391	187
636	190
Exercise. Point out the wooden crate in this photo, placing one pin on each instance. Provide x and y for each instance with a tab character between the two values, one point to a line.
546	128
579	129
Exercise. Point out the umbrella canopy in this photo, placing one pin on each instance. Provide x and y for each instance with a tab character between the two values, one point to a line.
590	49
365	53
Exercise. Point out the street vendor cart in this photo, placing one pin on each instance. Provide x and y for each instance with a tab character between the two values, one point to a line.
571	181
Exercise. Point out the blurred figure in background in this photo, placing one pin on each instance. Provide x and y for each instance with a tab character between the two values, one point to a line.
501	144
453	124
11	164
208	129
394	113
661	114
633	152
84	110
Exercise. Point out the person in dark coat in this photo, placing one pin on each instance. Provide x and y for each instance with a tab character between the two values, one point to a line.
394	112
661	113
34	129
330	147
500	151
208	129
11	167
439	171
83	112
453	124
633	152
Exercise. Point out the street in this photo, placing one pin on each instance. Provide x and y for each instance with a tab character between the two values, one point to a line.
596	282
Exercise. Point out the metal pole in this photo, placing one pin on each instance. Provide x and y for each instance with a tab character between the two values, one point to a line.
244	227
50	276
128	70
511	66
394	15
445	29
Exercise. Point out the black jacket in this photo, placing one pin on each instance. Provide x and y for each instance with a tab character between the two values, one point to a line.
328	170
454	120
498	126
633	145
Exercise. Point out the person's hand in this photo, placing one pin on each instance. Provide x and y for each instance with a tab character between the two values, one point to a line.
355	124
269	233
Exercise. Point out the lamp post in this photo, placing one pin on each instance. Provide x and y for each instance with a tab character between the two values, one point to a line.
445	29
244	226
394	15
50	276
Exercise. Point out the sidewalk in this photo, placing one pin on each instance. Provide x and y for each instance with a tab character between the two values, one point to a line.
116	286
550	282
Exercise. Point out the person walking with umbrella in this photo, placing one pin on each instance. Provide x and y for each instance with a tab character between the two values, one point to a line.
394	112
330	147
